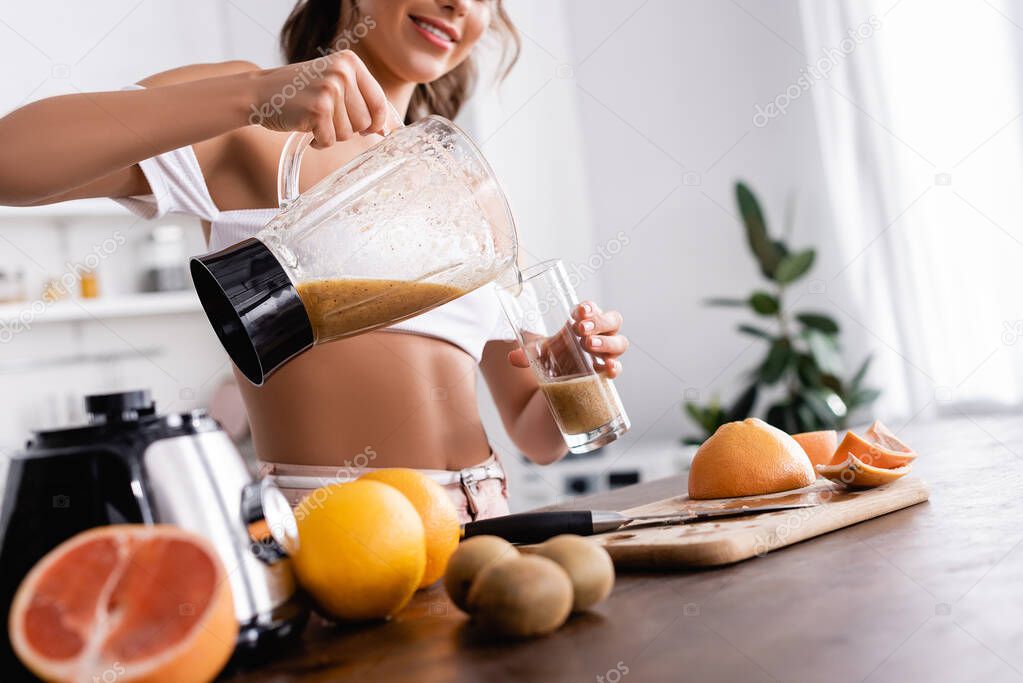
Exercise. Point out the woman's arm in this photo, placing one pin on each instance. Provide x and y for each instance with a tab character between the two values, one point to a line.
522	406
517	394
61	143
87	144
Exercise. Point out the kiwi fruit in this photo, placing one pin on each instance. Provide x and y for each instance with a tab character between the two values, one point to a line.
587	564
472	556
522	597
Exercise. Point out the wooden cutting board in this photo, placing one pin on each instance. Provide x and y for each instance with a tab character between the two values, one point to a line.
711	543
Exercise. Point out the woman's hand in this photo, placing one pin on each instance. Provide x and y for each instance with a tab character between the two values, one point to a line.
598	333
334	97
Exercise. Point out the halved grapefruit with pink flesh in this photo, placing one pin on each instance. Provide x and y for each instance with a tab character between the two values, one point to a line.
131	602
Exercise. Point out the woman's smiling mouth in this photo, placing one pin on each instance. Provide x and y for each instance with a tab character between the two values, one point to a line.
435	31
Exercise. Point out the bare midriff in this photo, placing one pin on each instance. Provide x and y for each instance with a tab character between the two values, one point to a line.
400	400
342	307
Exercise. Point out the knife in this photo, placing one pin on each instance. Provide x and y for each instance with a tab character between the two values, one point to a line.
535	527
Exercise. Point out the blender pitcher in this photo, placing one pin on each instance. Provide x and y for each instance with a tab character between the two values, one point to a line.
412	223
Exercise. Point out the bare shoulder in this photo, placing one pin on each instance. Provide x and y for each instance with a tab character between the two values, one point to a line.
225	160
196	72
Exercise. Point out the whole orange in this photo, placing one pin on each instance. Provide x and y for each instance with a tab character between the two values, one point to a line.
437	512
362	550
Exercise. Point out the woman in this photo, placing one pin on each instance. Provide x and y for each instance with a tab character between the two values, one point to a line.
205	140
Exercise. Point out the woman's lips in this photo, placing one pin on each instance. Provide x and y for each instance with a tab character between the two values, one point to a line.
433	33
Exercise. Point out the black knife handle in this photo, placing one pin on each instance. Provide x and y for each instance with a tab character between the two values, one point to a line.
533	527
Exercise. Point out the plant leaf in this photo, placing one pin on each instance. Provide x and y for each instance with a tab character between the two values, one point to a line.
807	420
781	248
776	415
783	416
833	383
809	374
863	397
722	301
826	405
857	379
743	406
763	303
755	331
779	357
765	250
698	414
794	266
709	418
824	350
819	321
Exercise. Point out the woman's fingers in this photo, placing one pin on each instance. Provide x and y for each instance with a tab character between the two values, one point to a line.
357	115
323	131
584	310
606	345
341	101
376	104
342	124
612	368
334	97
358	112
597	333
591	320
518	358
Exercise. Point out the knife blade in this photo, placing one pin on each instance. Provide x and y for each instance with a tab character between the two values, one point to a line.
536	527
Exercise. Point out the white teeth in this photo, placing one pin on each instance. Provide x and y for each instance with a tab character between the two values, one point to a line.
430	28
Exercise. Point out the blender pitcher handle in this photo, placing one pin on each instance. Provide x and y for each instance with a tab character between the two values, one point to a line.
290	165
289	168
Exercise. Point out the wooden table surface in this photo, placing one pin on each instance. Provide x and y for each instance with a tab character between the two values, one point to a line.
930	593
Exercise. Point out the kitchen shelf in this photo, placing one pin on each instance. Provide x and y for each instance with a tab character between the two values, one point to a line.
126	306
106	208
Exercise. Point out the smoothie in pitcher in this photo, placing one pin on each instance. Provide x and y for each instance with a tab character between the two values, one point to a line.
343	307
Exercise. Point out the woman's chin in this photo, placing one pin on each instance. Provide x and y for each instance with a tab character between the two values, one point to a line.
422	69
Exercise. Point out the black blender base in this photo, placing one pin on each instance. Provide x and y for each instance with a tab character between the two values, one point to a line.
267	635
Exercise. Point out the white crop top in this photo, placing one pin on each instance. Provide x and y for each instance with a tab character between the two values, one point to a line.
178	186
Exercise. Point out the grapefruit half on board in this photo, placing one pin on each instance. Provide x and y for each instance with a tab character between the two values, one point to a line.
128	602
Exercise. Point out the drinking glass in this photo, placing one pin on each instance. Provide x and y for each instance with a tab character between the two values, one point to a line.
581	396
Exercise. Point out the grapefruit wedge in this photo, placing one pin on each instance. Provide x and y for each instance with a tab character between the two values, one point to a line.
819	446
881	436
856	474
127	602
878	447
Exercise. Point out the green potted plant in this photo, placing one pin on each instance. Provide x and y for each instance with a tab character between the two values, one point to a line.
802	347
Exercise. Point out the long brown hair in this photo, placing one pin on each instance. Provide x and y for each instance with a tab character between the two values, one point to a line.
318	27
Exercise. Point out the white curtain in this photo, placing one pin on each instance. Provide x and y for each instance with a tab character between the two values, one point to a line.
920	130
